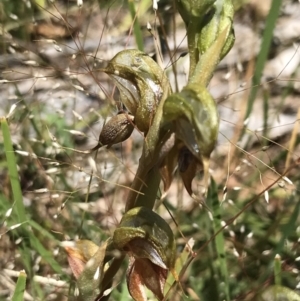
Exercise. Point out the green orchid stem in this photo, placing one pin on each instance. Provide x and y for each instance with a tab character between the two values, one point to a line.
193	51
111	272
149	190
149	160
144	187
136	186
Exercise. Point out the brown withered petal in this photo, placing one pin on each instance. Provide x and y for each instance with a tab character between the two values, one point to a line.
86	260
149	241
142	272
134	282
168	167
188	166
75	261
154	277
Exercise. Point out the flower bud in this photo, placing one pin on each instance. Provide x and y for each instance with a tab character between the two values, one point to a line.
216	21
190	9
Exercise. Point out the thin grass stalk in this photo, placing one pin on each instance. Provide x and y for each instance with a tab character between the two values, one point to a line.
42	230
219	238
170	287
292	142
266	97
263	54
287	230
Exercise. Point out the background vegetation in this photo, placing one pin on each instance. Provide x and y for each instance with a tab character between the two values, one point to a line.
55	100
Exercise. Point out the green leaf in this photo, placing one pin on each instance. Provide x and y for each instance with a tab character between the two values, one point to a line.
278	293
13	171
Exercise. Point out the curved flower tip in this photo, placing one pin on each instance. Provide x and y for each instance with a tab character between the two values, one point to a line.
139	79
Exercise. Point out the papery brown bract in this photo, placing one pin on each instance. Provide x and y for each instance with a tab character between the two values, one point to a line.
168	165
79	254
144	224
87	263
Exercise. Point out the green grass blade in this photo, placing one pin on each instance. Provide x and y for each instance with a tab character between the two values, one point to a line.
42	230
287	230
136	26
219	239
46	254
20	287
13	171
263	54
